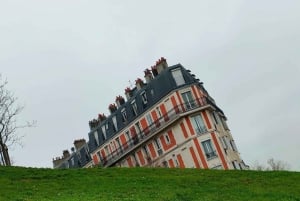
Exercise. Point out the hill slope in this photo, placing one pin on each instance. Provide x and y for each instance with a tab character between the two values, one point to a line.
146	184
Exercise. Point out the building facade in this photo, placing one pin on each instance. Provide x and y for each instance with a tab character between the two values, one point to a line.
169	120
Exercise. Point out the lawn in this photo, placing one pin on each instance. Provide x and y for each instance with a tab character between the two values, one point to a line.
18	184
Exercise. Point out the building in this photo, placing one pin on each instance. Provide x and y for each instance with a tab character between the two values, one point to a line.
169	120
79	157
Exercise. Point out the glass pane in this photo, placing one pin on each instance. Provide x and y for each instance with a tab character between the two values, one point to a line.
177	75
188	100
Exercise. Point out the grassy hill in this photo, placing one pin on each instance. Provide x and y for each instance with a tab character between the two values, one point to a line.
146	184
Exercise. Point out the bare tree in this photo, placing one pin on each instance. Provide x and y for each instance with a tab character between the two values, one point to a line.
278	164
258	166
9	110
273	164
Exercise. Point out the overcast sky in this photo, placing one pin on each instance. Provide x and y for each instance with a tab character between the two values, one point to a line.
68	60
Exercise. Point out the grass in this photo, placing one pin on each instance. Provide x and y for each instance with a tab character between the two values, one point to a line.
18	184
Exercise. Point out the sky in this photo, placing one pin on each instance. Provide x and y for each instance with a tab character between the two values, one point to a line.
66	61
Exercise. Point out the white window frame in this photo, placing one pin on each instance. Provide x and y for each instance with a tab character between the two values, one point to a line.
103	127
144	97
72	161
138	127
106	149
159	112
134	107
128	136
178	77
124	115
208	149
146	151
199	124
149	119
96	137
157	143
115	123
188	99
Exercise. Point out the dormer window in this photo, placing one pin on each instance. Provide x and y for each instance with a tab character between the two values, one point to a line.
178	77
96	138
104	131
134	108
124	115
144	98
115	123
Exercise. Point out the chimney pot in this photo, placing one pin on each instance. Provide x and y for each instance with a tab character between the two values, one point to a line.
139	83
128	93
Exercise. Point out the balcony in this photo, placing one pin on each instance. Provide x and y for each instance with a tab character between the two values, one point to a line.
143	136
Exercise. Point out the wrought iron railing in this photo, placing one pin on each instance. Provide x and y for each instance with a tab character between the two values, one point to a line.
148	132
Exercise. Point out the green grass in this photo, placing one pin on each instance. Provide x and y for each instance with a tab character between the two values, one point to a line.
18	184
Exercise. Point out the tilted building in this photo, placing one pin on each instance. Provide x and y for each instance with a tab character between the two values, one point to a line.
169	120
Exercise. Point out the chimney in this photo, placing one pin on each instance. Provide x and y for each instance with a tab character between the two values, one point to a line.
101	117
154	71
128	93
66	154
161	64
94	123
112	108
148	75
139	83
120	100
57	161
79	143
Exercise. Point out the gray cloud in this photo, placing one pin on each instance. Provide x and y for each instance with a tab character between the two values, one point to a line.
67	61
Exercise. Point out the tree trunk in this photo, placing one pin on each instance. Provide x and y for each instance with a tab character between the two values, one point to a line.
5	155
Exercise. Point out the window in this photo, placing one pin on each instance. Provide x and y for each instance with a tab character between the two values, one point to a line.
144	98
233	164
119	144
113	147
177	75
158	146
167	138
176	162
134	108
149	120
158	112
146	150
124	115
218	167
208	149
103	132
198	124
135	160
128	136
215	117
138	127
72	162
224	124
115	123
233	145
67	164
106	150
99	156
96	138
188	100
224	143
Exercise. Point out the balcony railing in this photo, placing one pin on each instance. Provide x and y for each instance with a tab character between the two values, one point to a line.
148	132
